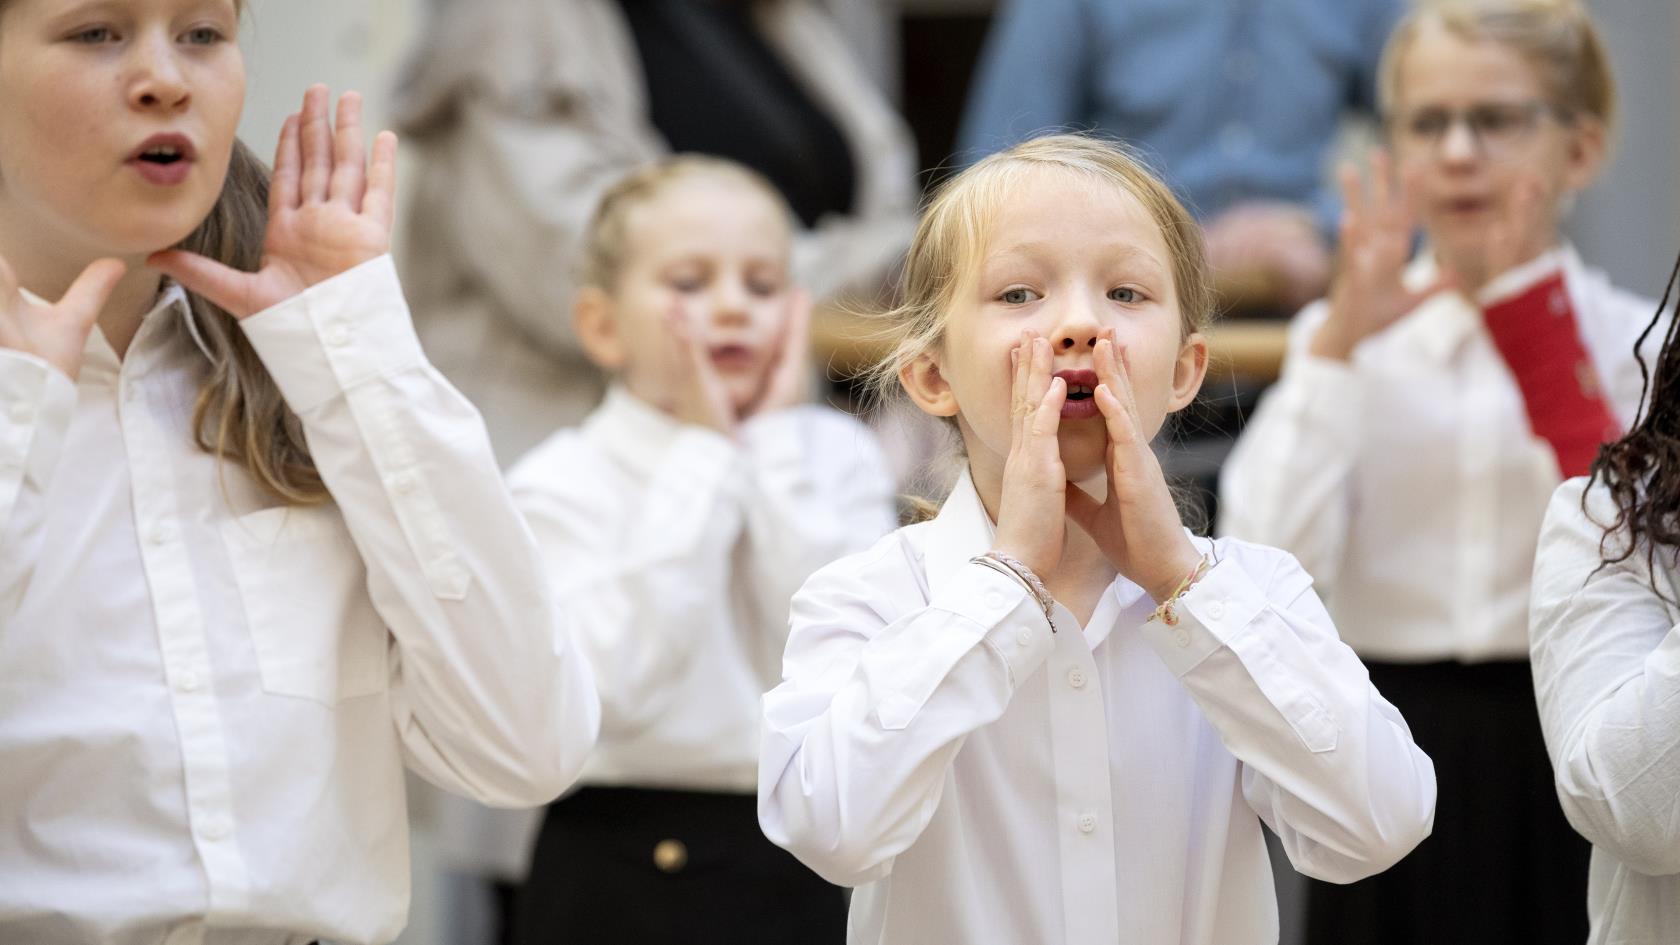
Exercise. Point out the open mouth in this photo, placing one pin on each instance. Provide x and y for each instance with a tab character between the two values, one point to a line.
1081	394
164	155
733	357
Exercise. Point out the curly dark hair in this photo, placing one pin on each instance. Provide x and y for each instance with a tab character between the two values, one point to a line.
1642	469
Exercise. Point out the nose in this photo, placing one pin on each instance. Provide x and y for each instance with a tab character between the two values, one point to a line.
1460	145
729	303
1077	329
158	82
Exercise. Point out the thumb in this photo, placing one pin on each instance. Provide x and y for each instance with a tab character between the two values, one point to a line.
221	284
87	295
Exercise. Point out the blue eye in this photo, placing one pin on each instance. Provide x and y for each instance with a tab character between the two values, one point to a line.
93	35
1126	295
1018	296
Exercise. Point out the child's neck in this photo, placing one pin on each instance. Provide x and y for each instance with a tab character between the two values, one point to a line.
1084	573
1474	271
49	274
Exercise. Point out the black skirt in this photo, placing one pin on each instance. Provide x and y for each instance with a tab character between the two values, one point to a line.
647	867
1503	865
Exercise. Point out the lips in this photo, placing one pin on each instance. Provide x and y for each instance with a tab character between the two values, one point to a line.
733	357
163	159
1081	394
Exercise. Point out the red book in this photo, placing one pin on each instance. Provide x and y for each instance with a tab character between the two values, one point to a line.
1538	336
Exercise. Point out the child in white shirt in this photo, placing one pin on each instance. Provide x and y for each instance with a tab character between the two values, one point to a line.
1427	410
1051	714
679	520
256	557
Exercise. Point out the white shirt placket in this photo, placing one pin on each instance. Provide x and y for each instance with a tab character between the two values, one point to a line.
1084	796
182	641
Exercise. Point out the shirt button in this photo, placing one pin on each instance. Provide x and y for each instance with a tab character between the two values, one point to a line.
338	336
404	483
1087	823
994	600
1216	610
161	534
670	856
1076	678
216	830
1023	637
188	682
22	413
1181	638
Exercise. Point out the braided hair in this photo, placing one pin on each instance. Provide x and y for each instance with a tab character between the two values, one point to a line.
1642	469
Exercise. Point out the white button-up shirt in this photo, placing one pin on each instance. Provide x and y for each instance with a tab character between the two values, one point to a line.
1407	480
207	700
984	780
676	550
1606	651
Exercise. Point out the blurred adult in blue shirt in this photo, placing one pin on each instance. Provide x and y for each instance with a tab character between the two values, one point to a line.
1237	102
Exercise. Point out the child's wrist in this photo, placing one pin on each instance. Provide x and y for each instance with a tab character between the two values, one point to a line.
1172	571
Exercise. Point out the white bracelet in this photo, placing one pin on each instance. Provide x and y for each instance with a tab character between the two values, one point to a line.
1004	564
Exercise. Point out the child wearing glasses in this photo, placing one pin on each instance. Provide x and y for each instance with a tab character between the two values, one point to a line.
1427	410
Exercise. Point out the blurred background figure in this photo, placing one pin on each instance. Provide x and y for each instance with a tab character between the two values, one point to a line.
526	110
1237	102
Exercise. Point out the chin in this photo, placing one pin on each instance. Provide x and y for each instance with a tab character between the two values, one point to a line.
1084	458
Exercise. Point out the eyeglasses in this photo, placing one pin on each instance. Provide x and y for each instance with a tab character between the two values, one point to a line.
1496	128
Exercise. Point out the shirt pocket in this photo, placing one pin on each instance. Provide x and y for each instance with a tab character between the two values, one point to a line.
304	589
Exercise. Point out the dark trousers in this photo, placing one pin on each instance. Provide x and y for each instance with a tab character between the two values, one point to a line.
651	867
1503	865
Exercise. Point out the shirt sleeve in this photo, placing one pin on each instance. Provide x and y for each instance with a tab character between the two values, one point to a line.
1288	482
1327	763
1606	656
488	696
1031	78
631	600
859	738
819	490
36	404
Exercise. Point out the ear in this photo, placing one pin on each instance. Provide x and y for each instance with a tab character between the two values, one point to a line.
597	329
927	386
1188	371
1588	145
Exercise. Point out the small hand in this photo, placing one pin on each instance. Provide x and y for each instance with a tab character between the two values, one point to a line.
329	210
789	377
1367	293
56	333
1137	525
1518	232
1031	517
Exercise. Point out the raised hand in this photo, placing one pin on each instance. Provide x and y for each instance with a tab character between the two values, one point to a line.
789	376
694	393
1031	523
56	333
1137	524
329	210
1366	292
1521	230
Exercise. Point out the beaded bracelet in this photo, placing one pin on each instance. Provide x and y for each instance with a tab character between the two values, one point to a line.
1165	613
1005	564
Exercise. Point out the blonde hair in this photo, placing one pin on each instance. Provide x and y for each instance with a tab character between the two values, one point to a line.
606	241
954	226
1556	37
239	414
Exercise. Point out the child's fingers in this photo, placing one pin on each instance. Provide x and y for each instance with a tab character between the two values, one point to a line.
349	170
88	294
288	160
380	200
223	285
1353	199
1019	406
1046	420
315	133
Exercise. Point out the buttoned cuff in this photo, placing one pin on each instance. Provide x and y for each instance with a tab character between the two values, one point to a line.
1013	622
1323	394
348	330
1215	612
36	402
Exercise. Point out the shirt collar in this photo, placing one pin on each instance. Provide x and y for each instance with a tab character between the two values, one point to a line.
1445	320
98	357
632	430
